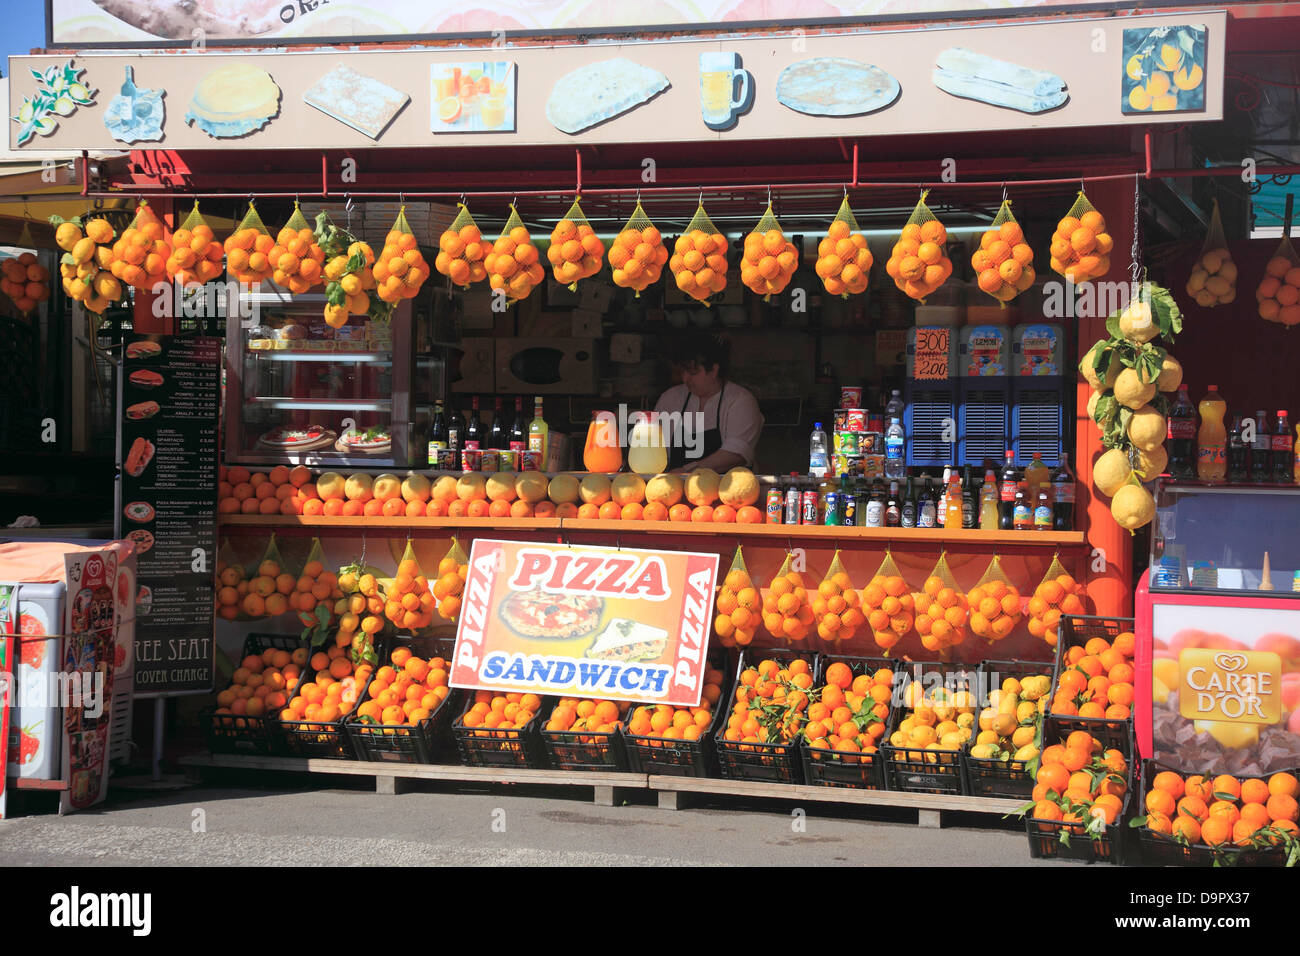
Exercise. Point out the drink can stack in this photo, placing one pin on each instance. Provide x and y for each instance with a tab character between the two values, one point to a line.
1168	572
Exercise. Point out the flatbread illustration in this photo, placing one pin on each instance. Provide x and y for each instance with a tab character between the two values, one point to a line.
354	99
835	86
599	91
974	76
234	100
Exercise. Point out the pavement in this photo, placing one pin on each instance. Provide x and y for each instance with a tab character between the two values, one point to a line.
277	819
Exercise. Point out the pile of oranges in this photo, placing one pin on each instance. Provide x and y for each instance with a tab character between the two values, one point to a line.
248	255
699	263
738	606
447	589
25	281
1278	293
261	684
850	713
231	587
837	609
266	593
572	714
786	611
1081	247
315	586
298	262
1004	263
1224	810
196	256
637	257
332	693
1052	598
843	260
504	712
941	613
666	722
410	603
1097	679
890	609
1079	782
461	253
406	691
400	269
771	702
768	263
576	252
994	610
140	254
513	265
917	263
280	491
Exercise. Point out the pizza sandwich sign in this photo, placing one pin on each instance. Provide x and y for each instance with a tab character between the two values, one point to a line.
585	621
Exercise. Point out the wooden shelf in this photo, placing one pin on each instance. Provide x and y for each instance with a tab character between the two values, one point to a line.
972	536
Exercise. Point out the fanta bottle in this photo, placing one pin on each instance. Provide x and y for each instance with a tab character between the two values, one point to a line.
1212	439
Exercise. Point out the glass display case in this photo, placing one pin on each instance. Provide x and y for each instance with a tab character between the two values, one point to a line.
1213	538
301	392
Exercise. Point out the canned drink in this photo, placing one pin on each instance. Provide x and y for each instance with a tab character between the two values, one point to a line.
471	459
855	420
848	509
809	509
831	511
491	461
774	505
792	505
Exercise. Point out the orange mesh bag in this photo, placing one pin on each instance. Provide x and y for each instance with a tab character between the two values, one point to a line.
265	586
349	276
513	265
1081	246
231	583
316	590
410	602
1004	262
843	259
737	605
637	254
917	263
450	583
1278	292
575	252
140	254
400	268
461	250
1213	279
248	249
995	604
25	281
888	604
1058	593
297	260
787	613
837	606
85	267
196	256
699	259
941	610
769	260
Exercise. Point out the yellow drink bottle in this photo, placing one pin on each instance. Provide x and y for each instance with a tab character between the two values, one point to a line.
1212	439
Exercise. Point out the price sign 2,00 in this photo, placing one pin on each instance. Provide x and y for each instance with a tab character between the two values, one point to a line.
931	354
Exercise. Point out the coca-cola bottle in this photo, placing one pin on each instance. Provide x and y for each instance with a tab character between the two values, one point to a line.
1238	466
1181	435
1283	450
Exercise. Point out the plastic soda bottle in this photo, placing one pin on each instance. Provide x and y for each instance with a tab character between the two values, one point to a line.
1212	439
1296	459
1037	474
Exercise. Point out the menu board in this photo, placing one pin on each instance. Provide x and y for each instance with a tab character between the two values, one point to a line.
8	624
171	390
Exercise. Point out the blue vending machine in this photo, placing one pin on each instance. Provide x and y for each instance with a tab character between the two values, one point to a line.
1038	385
984	417
931	396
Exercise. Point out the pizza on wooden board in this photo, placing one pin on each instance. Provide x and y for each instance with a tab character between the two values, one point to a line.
295	437
537	613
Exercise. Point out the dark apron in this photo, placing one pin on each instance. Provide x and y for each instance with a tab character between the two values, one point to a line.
712	437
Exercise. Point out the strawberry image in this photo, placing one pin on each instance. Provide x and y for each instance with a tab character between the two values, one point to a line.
33	652
28	744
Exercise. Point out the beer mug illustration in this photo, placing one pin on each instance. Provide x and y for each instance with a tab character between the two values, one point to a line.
721	101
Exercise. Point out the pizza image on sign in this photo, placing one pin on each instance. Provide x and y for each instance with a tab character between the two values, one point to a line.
559	617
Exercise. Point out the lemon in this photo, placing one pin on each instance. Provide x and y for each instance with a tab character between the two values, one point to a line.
1093	399
1171	375
26	112
1111	472
79	92
1090	373
1152	463
1133	69
64	106
1196	281
1135	323
1131	391
1133	507
1146	429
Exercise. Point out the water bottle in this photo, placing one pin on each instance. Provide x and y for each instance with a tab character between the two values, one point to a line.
818	452
895	442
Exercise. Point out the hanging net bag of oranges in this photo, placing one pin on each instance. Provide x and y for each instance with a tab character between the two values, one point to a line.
512	265
1004	263
400	269
409	603
140	254
918	264
576	252
461	250
995	605
787	613
837	607
1080	249
941	610
737	606
1056	595
447	589
298	261
769	260
248	249
196	255
699	259
888	604
1278	293
843	259
637	254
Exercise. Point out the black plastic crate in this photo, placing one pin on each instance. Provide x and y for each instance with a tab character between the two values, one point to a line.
681	758
1077	630
824	767
421	742
241	734
991	777
498	746
584	749
777	761
326	739
1159	849
1045	838
917	770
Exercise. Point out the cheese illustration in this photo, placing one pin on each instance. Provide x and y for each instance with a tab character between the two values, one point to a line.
835	86
234	100
354	99
974	76
600	91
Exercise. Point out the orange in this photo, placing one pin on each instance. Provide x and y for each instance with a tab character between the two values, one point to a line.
1216	830
1280	806
1285	784
1255	791
1159	801
1226	786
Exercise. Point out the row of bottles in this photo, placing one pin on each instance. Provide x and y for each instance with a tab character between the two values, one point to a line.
515	433
1255	449
1037	500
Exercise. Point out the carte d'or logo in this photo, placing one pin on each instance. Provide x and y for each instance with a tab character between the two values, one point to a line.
1237	686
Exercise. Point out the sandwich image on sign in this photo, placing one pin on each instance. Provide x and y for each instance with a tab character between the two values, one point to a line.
974	76
143	350
138	458
835	86
626	640
600	91
234	100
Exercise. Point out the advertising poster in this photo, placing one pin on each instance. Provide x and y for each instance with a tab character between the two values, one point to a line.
170	398
8	612
612	623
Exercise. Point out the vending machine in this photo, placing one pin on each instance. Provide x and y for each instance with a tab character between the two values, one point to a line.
984	393
1038	392
930	418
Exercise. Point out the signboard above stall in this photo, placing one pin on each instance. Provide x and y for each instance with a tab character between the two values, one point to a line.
1045	75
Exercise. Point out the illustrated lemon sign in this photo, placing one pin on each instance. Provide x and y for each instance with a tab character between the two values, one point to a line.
1231	686
1164	69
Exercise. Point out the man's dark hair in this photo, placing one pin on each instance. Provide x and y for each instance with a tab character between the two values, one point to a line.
698	348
